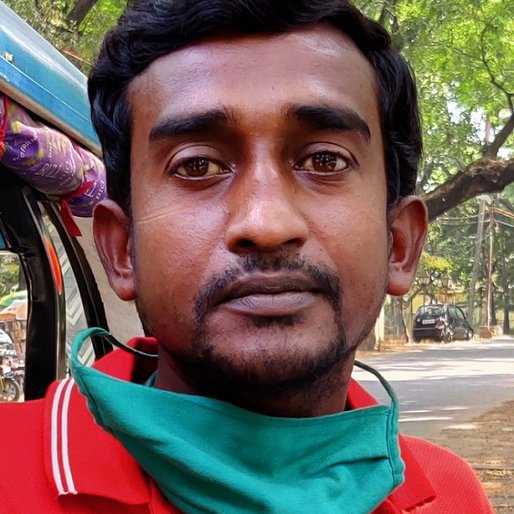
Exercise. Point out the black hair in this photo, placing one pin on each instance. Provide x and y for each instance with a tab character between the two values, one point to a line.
149	29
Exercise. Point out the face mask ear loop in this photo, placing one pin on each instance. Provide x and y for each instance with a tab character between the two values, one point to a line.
393	420
385	384
96	331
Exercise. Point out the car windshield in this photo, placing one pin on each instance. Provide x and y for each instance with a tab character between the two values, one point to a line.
431	311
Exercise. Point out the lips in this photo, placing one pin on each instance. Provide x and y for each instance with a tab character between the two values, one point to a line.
269	295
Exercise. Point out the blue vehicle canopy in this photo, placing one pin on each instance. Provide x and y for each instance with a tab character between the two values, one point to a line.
46	135
38	77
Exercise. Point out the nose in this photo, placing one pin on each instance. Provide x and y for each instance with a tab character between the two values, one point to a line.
265	214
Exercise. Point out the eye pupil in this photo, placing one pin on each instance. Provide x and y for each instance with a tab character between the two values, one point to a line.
197	167
324	161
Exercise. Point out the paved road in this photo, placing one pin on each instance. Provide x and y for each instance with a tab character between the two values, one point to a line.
444	385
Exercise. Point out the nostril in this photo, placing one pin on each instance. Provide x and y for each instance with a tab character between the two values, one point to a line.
295	242
245	243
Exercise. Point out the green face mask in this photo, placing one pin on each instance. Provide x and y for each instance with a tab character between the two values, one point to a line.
210	456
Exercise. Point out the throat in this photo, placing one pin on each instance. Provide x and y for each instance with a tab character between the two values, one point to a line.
319	400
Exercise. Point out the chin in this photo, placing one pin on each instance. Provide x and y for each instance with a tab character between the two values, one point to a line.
269	363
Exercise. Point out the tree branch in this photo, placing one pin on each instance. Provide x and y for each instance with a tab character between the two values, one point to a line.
483	176
491	150
494	81
80	10
388	12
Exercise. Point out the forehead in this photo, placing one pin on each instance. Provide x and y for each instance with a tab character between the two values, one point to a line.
258	74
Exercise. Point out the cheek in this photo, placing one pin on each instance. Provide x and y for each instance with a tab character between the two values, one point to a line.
173	255
360	255
355	240
354	232
364	284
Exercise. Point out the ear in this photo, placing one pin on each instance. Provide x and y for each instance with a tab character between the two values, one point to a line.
111	230
408	223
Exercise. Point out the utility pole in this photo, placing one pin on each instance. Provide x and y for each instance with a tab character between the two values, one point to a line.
476	262
489	283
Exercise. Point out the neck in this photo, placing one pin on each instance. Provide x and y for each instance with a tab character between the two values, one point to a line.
326	395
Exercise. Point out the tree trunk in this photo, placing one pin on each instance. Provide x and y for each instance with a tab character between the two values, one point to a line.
80	10
494	319
404	324
506	320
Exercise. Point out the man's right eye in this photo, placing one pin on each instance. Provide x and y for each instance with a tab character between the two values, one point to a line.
198	168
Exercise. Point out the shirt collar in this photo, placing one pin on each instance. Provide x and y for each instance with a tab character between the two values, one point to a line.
70	435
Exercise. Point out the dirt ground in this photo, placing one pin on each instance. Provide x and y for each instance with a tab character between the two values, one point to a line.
487	443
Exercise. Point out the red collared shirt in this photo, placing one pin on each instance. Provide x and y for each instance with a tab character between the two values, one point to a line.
57	460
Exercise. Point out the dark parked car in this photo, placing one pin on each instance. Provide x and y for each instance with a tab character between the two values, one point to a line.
441	322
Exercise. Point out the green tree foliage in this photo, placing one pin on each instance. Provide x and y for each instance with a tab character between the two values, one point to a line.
9	273
75	28
463	56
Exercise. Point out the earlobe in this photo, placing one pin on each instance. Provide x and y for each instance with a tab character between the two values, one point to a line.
111	229
408	226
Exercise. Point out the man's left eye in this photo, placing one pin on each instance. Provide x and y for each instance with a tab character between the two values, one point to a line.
325	162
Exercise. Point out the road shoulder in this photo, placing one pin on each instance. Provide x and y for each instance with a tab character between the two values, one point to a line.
487	443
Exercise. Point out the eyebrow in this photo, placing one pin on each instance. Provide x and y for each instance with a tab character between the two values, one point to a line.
201	123
322	117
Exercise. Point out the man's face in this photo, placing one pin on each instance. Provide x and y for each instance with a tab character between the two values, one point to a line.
259	237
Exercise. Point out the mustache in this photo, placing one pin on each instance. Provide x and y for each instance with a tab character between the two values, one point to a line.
325	281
